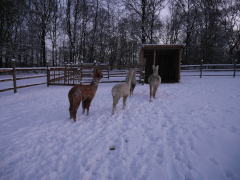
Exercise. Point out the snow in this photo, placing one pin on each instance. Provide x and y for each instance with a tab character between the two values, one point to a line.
190	131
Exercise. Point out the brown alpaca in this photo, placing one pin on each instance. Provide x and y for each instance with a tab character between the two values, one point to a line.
84	93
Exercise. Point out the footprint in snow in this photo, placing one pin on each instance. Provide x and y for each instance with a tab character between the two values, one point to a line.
213	161
190	141
180	141
159	157
229	173
233	129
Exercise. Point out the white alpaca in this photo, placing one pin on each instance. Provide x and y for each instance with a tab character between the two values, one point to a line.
121	90
154	81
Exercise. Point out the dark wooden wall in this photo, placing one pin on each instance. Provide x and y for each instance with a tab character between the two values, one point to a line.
168	61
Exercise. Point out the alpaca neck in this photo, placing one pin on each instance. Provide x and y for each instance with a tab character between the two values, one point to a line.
128	80
95	82
155	71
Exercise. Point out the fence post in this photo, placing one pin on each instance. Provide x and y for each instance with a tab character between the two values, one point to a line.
108	69
48	75
81	71
235	66
69	77
65	72
201	69
14	76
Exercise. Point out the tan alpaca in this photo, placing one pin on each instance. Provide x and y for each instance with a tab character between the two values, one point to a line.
154	81
84	93
122	90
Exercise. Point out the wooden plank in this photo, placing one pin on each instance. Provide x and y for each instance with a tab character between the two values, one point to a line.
179	64
87	75
218	69
30	69
31	85
120	81
217	75
2	90
117	74
212	65
14	76
192	70
125	66
2	80
57	68
183	66
189	75
5	69
29	77
57	74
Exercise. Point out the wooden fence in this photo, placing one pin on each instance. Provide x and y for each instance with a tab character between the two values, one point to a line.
83	73
14	79
201	68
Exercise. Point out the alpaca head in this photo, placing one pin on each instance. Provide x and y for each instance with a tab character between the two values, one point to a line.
155	69
129	73
134	71
98	74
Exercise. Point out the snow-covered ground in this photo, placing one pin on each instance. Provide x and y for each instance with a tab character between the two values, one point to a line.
190	131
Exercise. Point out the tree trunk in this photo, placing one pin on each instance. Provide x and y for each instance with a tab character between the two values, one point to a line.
93	36
143	21
43	47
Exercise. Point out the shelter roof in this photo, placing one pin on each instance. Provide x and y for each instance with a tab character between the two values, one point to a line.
162	46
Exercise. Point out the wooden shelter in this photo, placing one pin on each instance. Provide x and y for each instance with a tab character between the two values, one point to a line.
168	57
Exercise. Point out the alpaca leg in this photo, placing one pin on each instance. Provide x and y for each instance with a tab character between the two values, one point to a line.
150	94
115	102
133	88
154	91
88	103
83	106
76	103
124	101
71	108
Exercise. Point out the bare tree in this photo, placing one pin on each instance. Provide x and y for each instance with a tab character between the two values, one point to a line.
230	11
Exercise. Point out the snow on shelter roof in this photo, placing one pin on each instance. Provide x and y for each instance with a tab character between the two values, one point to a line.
165	46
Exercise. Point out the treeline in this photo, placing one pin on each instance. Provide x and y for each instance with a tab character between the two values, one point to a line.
36	31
